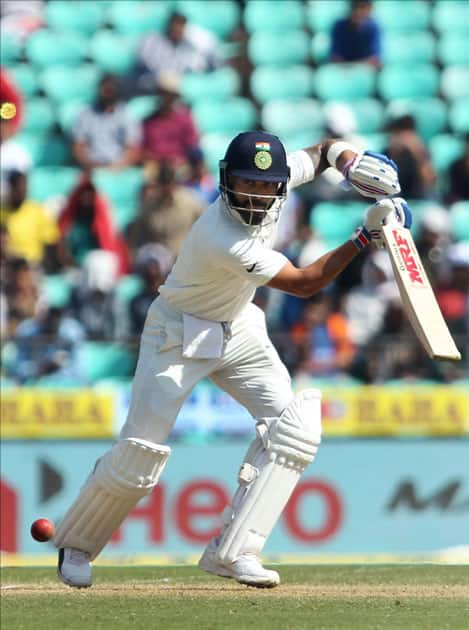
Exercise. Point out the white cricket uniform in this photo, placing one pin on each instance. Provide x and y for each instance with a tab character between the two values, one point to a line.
220	265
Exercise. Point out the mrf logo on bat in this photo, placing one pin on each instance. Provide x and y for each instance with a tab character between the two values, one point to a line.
407	261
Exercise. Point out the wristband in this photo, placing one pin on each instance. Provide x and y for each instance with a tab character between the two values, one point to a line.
336	149
361	238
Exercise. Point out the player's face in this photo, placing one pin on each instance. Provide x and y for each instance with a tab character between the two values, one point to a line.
250	193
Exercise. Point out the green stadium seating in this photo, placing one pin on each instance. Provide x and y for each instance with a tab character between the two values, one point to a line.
46	150
113	52
56	151
453	49
46	48
141	106
51	181
454	82
121	187
218	85
68	113
25	78
369	114
335	222
459	217
345	82
301	139
56	289
407	81
61	85
33	142
292	82
320	16
10	50
419	47
230	117
105	360
39	115
221	17
459	115
289	118
264	48
376	141
444	149
77	17
429	113
129	17
274	16
407	17
451	16
320	47
128	287
214	146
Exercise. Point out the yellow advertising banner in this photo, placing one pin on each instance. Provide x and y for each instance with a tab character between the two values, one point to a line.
40	413
370	411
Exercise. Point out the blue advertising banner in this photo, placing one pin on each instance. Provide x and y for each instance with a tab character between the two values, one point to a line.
359	496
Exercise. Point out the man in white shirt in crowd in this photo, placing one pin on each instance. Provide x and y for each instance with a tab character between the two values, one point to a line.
203	324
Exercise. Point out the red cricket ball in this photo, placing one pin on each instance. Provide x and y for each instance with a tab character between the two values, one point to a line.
42	529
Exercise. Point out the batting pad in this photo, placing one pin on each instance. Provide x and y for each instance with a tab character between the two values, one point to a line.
126	473
268	480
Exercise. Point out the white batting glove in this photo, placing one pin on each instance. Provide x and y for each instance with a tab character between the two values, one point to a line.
372	175
385	212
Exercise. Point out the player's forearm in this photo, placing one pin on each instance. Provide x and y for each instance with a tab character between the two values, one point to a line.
318	154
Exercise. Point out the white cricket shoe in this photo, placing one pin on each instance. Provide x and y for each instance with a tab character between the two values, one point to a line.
74	567
247	569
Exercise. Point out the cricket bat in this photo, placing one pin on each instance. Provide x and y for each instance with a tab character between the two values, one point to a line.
417	295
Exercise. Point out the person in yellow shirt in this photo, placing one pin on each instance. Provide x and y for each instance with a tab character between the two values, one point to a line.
32	232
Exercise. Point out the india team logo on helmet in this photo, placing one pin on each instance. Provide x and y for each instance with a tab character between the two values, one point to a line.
262	157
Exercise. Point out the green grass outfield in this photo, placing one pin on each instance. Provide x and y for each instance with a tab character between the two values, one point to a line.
430	597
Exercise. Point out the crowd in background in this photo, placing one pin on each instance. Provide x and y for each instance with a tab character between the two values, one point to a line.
354	331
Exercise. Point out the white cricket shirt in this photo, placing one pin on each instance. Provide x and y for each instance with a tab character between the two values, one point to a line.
222	261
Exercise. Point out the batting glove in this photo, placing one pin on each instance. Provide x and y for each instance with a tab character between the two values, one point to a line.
384	212
372	175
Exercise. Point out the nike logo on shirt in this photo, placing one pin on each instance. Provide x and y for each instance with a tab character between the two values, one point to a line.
251	268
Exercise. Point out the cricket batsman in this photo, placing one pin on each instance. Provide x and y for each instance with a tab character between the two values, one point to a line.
204	324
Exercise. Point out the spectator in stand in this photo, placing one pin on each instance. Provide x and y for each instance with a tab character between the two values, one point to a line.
199	179
169	134
9	93
416	173
323	339
453	292
181	48
357	37
32	232
458	176
22	293
86	224
168	210
47	346
152	263
432	240
105	136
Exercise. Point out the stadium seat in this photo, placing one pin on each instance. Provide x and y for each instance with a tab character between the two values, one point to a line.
141	106
46	48
39	115
68	113
33	142
77	16
344	82
221	17
444	149
268	83
120	187
398	49
320	48
10	50
105	360
217	85
264	48
56	151
230	117
288	118
451	16
459	115
376	141
320	16
393	16
113	52
124	213
459	217
214	146
430	114
274	16
407	81
455	82
335	222
369	115
50	181
129	17
128	287
301	139
25	79
61	85
453	49
56	289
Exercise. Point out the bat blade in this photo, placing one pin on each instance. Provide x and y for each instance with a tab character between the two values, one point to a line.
417	295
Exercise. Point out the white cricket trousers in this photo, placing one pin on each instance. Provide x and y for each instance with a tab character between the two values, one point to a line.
250	370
